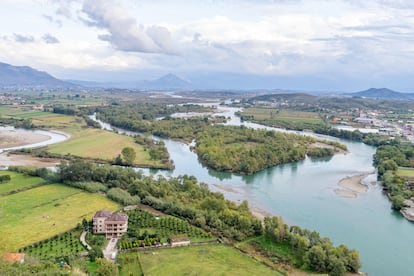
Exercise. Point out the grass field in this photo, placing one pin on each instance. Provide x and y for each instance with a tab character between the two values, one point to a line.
99	144
405	172
39	213
53	120
201	260
283	114
129	264
33	114
18	181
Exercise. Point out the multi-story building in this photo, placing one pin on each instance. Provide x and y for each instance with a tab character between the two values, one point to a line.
113	225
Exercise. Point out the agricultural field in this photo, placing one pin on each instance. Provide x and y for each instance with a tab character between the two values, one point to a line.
148	229
39	213
99	144
405	172
67	244
283	115
53	120
199	260
129	264
18	182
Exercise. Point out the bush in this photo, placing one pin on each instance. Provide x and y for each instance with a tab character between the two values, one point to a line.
5	178
122	196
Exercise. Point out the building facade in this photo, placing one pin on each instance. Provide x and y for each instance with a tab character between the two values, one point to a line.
113	225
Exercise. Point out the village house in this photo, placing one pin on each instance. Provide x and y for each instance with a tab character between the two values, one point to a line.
113	225
179	240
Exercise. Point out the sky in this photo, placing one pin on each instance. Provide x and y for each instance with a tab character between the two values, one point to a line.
318	45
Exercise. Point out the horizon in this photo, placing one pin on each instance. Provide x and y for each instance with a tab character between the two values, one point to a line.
322	46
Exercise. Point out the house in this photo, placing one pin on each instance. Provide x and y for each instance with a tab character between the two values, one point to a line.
113	225
181	240
14	257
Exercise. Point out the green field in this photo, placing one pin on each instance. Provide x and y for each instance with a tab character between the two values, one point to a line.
53	120
99	144
405	172
39	213
283	115
129	264
201	260
18	181
33	114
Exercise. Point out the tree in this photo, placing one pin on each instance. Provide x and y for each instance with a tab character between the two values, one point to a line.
315	258
105	268
128	154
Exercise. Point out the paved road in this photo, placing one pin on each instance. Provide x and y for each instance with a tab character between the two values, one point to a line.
110	249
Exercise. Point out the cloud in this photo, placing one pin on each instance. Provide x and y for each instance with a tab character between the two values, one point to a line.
49	39
123	31
51	19
23	38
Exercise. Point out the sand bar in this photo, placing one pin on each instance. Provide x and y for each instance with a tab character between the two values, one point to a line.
353	183
15	138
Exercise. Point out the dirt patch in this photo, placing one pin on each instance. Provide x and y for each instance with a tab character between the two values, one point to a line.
8	159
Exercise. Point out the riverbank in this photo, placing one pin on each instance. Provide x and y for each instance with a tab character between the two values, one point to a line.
352	186
17	137
8	159
256	211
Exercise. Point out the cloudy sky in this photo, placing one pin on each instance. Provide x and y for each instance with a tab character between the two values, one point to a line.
338	45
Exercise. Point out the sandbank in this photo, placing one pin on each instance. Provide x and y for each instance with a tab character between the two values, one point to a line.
352	186
226	188
15	138
259	213
353	183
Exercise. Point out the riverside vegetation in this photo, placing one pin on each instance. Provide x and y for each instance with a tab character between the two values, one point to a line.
223	148
389	159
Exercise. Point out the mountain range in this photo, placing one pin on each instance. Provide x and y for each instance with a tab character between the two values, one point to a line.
25	76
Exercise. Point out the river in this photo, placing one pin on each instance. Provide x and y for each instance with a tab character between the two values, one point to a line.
303	194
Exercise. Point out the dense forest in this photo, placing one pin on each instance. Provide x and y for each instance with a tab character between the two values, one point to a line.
245	150
184	197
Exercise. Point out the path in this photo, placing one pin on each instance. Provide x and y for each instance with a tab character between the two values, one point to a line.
83	241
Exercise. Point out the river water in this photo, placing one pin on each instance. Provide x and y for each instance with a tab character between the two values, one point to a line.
303	194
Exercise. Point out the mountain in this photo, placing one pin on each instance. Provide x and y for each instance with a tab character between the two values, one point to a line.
169	81
25	76
383	94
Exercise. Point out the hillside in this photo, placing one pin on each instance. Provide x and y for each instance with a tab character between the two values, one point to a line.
383	94
25	76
